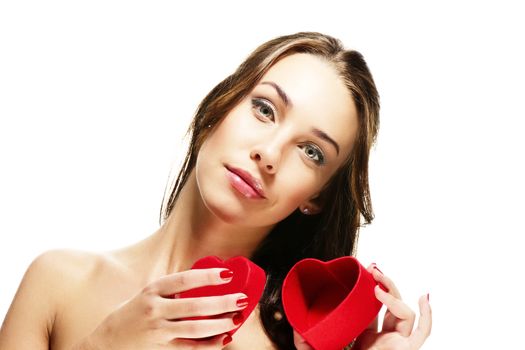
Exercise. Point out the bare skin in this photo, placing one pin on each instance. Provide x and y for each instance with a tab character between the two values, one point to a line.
78	290
119	300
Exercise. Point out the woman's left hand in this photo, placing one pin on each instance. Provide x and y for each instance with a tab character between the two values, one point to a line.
397	332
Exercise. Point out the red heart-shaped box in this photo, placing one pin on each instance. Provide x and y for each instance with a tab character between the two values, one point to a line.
248	278
329	303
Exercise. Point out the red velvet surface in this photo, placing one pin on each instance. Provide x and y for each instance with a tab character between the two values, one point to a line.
329	303
248	278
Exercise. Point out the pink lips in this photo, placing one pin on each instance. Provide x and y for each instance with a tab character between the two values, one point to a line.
245	183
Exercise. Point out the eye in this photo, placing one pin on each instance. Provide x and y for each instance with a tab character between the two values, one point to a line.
263	109
314	153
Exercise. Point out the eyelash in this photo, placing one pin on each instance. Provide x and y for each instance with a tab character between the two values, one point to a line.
258	103
320	156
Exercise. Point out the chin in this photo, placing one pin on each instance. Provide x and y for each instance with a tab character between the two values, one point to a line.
228	216
227	212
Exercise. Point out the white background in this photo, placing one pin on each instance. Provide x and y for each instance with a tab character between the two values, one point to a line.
95	98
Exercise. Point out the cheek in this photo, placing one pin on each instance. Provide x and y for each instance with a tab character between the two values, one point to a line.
232	130
297	185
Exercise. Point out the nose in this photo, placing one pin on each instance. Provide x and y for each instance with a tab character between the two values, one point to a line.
267	158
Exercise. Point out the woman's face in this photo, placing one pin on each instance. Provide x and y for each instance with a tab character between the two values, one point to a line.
274	151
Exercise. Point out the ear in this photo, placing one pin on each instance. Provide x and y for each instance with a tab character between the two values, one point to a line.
311	207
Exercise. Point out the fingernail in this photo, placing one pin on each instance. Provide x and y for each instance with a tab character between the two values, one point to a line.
242	302
226	274
383	288
227	340
375	267
237	319
428	297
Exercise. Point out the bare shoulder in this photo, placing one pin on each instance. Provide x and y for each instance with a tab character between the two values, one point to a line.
64	268
47	282
53	274
64	261
66	273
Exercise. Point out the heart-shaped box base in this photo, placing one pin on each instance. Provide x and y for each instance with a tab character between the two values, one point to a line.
248	278
329	303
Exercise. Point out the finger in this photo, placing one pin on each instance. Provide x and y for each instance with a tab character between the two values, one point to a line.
203	306
387	282
404	316
372	268
213	343
202	328
300	343
185	280
424	325
373	325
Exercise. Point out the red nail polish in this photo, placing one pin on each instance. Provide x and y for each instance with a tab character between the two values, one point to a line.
227	340
375	267
237	319
242	302
226	274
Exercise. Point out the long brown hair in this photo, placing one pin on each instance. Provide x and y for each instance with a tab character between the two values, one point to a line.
346	197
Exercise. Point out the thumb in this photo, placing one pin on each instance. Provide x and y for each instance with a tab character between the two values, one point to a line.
300	343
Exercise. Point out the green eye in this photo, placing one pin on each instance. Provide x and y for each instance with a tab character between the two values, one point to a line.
263	109
314	153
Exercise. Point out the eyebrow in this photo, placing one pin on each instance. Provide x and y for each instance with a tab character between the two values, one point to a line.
287	102
321	134
280	92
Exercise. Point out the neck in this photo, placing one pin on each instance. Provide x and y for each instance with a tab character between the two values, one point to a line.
192	231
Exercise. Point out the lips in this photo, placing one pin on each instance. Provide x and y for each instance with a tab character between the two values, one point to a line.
245	183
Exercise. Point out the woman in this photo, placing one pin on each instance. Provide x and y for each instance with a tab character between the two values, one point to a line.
277	170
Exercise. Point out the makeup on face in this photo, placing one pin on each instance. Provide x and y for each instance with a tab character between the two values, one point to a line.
245	183
279	145
267	111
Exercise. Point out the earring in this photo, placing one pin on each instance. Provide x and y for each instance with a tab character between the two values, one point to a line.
306	211
208	126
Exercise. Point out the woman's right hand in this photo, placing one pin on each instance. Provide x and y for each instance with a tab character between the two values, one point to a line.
153	319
